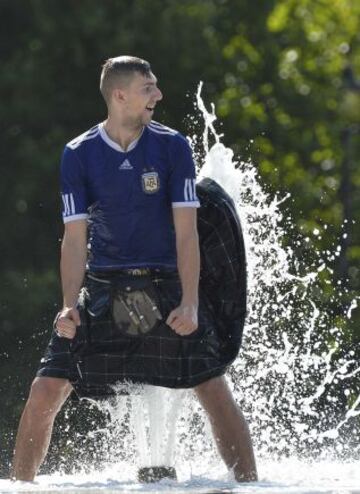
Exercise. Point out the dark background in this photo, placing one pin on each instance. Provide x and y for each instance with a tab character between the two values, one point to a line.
285	79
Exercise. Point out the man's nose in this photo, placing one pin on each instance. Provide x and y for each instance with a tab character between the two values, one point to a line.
159	95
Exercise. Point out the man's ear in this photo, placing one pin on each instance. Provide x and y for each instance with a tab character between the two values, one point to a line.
118	95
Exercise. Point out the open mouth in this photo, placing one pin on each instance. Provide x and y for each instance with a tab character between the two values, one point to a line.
150	108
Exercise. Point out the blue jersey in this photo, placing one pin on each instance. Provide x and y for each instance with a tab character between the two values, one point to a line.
127	196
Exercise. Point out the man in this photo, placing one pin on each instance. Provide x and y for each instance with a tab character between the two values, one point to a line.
128	190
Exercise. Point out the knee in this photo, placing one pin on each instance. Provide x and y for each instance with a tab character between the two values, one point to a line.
212	386
46	396
215	396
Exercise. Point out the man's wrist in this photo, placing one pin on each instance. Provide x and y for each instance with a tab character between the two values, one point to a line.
190	302
69	304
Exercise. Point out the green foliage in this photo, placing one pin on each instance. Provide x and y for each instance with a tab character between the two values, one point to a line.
285	89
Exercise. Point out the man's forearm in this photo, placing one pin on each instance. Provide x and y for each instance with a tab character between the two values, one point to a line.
72	268
188	259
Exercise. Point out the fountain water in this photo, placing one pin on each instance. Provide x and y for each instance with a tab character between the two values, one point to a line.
290	377
288	359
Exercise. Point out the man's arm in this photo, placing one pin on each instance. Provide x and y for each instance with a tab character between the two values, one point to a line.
183	320
72	268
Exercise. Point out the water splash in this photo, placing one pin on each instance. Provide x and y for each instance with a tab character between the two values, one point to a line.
290	360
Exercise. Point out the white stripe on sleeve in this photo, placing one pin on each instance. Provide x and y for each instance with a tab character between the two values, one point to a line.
194	189
75	217
72	204
67	207
64	204
67	204
189	188
185	191
188	204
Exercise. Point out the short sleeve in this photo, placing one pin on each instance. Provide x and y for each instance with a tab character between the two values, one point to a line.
183	175
73	190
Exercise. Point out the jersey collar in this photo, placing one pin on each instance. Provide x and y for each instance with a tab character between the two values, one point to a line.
114	144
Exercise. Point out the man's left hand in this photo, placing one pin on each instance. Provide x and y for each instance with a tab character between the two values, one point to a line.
184	319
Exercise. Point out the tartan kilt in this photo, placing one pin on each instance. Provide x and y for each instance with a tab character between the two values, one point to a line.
101	355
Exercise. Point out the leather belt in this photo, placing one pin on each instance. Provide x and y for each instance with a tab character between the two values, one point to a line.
106	276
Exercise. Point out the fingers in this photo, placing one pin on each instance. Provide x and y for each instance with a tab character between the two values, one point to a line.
66	323
175	321
182	322
65	328
171	318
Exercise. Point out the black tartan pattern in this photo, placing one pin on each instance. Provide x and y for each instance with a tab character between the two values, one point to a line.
101	356
223	264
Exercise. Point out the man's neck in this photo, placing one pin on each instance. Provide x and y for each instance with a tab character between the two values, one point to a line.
122	134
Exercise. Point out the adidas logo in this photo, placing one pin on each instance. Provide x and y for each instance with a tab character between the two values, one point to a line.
126	165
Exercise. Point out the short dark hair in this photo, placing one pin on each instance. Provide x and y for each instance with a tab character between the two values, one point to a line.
119	71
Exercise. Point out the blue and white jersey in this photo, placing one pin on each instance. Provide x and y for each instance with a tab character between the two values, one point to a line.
127	196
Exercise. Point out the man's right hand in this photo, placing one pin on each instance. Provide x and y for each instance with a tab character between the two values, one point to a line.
66	322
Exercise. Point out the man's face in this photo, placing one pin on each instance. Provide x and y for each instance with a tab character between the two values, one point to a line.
139	99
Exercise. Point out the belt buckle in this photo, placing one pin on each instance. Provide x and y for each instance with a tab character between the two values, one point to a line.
140	271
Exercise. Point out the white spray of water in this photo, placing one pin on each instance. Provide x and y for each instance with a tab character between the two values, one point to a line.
288	361
154	414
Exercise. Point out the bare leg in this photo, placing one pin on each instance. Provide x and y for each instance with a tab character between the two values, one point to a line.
46	398
229	428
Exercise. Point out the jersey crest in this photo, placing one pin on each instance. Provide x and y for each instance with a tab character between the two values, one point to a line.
150	182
